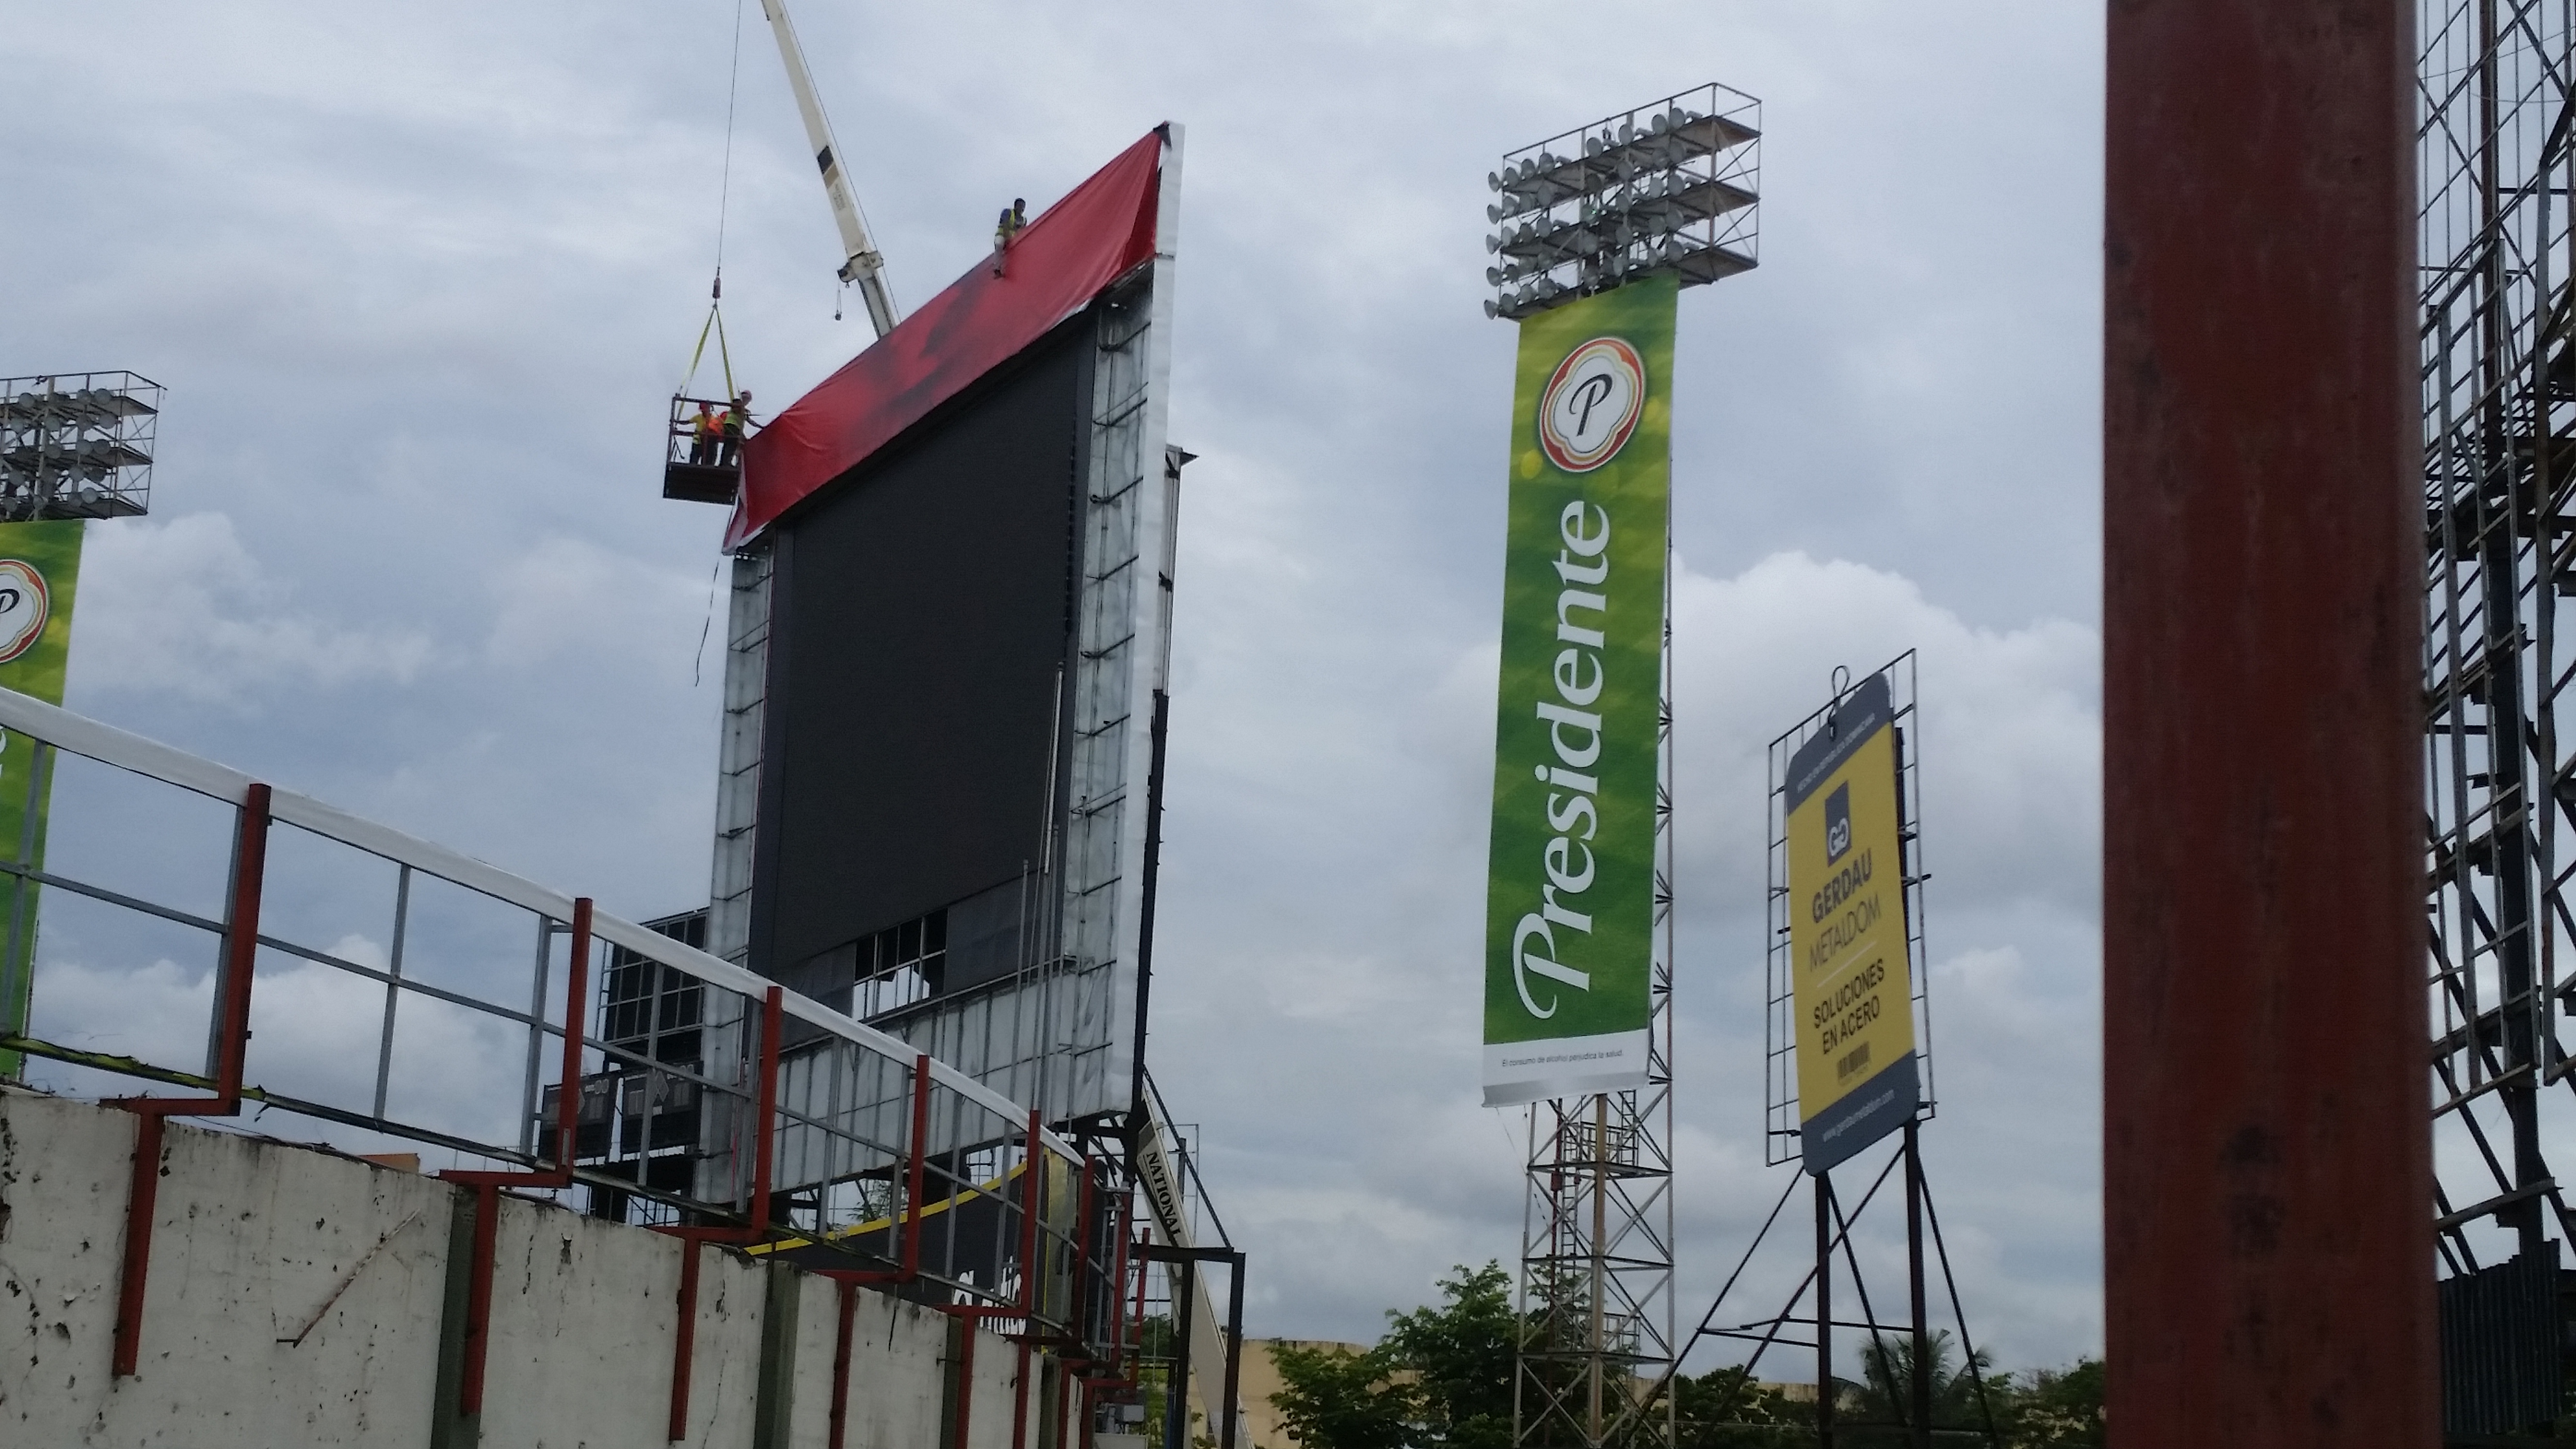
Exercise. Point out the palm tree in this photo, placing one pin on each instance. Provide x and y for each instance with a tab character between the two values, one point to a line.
1881	1404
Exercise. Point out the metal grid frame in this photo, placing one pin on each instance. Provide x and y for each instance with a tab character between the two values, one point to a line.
77	445
2498	385
1667	186
1780	1134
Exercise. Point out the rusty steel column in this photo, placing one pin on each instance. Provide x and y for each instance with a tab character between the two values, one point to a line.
2267	1185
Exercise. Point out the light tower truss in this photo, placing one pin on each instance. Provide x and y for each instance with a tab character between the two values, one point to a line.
2500	564
1669	186
76	445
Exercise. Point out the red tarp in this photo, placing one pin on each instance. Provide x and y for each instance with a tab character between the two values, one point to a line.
1057	265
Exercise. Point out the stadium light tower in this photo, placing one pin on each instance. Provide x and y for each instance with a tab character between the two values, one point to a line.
1667	189
76	445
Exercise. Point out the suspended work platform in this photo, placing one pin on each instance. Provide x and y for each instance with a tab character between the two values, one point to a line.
704	459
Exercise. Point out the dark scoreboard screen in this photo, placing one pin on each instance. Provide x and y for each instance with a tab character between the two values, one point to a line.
921	637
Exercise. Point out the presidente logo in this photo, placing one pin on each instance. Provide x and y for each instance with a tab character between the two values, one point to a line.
25	604
1591	404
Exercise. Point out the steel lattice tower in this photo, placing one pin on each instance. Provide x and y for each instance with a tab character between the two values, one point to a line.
2500	534
1669	187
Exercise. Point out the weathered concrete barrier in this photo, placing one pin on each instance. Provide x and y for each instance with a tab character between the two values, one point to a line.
297	1296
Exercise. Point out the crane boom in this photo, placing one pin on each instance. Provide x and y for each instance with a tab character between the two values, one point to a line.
865	267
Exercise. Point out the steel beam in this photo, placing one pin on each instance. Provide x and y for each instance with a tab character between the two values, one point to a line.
2266	1151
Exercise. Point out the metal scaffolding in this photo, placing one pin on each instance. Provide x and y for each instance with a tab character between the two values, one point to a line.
2500	561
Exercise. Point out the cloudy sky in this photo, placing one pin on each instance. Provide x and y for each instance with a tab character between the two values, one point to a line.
420	279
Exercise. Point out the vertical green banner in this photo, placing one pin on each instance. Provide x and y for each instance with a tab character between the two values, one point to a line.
1570	898
39	568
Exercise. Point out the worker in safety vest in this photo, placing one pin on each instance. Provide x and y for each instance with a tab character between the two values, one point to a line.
1015	219
737	420
704	434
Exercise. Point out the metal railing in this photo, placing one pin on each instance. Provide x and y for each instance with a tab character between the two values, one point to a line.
380	989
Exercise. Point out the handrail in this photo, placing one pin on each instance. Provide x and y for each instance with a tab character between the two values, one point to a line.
105	743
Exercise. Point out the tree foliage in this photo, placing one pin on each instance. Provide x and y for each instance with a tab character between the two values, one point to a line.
1335	1399
1884	1398
2059	1408
1726	1408
1442	1378
1460	1354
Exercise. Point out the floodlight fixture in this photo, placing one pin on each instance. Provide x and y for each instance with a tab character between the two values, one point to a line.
1666	187
76	445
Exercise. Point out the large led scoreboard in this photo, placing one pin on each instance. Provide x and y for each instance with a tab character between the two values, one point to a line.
970	527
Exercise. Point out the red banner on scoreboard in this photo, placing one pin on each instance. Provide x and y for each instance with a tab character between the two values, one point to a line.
1101	231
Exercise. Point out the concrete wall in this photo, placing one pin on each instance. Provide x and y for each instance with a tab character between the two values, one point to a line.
300	1297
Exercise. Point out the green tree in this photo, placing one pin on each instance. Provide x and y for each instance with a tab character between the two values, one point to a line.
2059	1408
1726	1408
1460	1354
1335	1399
1441	1378
1884	1398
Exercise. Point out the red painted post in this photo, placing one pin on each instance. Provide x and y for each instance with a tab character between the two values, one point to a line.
2268	1260
764	1138
232	1045
920	1166
965	1377
487	1185
241	952
1020	1404
773	1017
478	1300
841	1361
1033	1171
576	993
1142	1273
1080	1277
684	1353
142	1199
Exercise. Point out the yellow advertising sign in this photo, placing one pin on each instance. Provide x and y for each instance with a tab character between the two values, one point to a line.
1852	984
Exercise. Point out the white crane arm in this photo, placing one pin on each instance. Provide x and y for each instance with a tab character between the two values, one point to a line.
865	267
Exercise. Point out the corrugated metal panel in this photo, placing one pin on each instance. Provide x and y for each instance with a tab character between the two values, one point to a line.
2504	1347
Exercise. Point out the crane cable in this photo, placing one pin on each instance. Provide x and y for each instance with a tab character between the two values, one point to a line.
724	198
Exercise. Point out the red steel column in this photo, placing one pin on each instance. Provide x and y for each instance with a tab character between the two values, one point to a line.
2267	1185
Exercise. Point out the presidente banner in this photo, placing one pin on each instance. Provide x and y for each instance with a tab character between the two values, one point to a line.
1570	894
1852	986
39	567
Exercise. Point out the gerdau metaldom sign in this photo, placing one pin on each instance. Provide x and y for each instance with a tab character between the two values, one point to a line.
1851	981
1570	895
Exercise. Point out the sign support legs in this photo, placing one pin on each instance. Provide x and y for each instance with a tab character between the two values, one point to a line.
1824	1312
1921	1415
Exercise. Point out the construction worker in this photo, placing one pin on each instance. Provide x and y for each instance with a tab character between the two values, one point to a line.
704	434
737	421
1015	217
